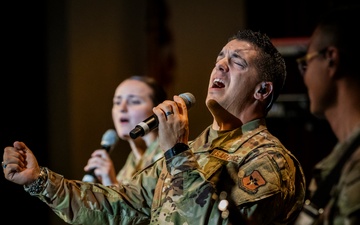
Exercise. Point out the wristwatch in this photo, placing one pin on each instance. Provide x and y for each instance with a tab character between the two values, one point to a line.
38	185
177	149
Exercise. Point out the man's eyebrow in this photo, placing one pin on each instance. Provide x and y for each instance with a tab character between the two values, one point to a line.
236	52
243	50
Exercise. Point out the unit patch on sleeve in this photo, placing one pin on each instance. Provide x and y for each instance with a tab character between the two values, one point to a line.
252	182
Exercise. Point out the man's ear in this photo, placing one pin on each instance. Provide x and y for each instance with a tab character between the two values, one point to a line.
265	93
264	89
332	56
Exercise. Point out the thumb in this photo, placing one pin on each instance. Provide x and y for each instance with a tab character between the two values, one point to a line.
20	145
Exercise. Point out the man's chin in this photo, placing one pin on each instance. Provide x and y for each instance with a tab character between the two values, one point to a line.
212	103
215	108
318	114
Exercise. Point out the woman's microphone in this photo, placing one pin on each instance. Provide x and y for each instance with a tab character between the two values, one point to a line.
108	141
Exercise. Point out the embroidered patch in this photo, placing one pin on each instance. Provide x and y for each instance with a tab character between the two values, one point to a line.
226	156
252	182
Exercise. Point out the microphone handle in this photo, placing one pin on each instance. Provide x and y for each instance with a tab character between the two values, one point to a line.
90	175
144	127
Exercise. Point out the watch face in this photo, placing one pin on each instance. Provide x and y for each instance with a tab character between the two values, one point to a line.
177	149
180	147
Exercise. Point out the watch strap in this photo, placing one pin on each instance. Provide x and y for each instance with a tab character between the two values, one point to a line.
177	149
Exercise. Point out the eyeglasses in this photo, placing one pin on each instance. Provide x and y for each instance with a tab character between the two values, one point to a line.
304	61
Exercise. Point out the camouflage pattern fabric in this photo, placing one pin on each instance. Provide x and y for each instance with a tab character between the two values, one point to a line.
241	176
133	165
344	205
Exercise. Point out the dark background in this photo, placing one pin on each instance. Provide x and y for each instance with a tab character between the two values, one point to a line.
24	99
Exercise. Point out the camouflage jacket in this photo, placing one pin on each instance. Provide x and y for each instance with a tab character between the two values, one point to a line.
240	176
132	165
344	205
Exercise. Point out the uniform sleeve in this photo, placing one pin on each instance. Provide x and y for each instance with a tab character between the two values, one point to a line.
267	188
84	203
349	196
258	195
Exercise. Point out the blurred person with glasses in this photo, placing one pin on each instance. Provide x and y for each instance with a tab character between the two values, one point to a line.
331	74
305	60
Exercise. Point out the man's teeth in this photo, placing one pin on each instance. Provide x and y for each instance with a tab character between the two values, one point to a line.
218	83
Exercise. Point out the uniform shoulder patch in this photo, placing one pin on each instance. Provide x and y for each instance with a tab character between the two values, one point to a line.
252	182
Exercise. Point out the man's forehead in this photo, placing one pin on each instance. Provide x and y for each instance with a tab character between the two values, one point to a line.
238	46
238	51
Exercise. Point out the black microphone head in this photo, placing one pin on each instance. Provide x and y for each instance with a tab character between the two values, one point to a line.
109	138
152	122
108	141
189	99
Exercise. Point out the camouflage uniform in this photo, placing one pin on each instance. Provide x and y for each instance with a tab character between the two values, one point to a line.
227	177
132	164
344	205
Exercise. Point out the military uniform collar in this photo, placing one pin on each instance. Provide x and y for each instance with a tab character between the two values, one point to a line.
229	140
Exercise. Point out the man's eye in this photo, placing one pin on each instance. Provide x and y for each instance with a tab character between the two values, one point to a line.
241	64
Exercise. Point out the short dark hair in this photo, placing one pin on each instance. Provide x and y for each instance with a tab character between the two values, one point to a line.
159	93
270	63
339	27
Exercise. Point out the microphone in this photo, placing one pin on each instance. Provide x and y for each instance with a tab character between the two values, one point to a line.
152	122
108	141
